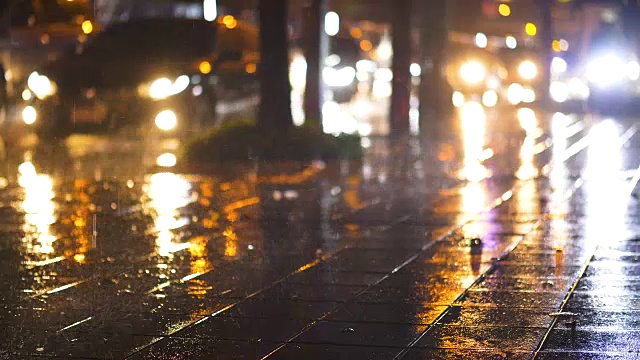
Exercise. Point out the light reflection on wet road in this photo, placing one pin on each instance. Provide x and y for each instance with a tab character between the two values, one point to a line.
106	255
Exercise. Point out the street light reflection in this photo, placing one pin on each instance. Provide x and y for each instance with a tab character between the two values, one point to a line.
606	204
606	200
473	119
559	205
38	207
529	123
168	193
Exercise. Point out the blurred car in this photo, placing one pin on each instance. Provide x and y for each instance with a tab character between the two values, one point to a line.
164	75
36	30
523	82
474	75
605	72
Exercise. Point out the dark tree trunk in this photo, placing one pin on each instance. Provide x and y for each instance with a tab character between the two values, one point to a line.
401	42
435	97
315	51
274	113
547	52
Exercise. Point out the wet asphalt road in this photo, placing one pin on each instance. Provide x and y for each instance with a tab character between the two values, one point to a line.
517	239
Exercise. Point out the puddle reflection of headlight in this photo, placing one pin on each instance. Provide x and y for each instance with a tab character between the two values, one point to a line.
29	115
528	120
167	160
166	120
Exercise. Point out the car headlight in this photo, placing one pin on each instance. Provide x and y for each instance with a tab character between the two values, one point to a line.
633	70
166	120
339	78
473	72
29	115
606	70
528	70
457	99
163	88
41	85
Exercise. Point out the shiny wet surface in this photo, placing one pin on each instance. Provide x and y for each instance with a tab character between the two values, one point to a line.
106	255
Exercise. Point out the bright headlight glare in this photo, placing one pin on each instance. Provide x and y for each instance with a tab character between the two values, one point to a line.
40	85
514	93
29	115
166	160
606	70
457	99
528	70
577	88
633	70
528	95
473	72
558	65
338	78
166	120
163	88
490	98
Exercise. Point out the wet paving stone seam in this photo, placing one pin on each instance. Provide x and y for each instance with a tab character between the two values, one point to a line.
562	308
580	145
140	259
76	283
303	268
500	200
192	276
454	305
506	196
366	204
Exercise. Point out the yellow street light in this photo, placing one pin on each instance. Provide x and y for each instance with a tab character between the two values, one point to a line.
531	29
504	10
87	27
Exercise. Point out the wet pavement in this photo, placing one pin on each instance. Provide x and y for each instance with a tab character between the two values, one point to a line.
519	239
